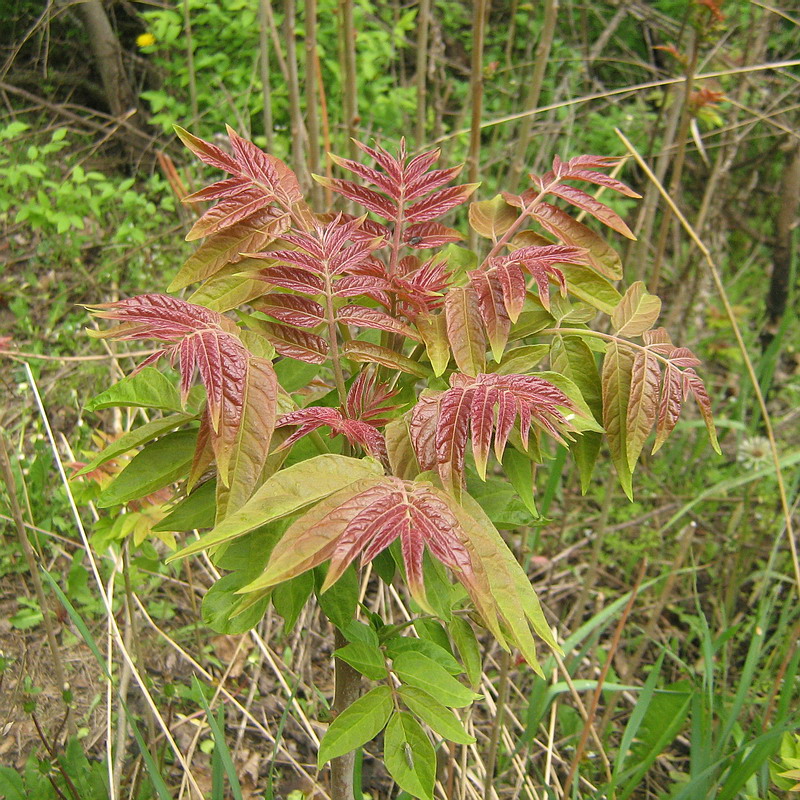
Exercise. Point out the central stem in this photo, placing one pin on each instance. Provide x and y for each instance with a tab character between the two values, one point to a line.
333	341
347	687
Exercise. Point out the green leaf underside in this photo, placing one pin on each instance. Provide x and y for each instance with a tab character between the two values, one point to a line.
288	491
299	546
434	714
160	463
409	756
511	589
358	724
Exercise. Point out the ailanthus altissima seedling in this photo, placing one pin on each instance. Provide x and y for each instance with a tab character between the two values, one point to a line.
422	372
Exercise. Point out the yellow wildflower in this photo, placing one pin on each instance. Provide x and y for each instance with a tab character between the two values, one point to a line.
145	39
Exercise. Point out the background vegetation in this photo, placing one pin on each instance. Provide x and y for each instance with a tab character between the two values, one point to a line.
678	611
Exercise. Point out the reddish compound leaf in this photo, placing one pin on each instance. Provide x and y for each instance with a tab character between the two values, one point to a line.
293	278
616	387
669	406
465	329
488	406
600	211
601	255
425	182
364	518
439	203
302	345
643	403
229	187
228	212
370	199
200	340
355	431
491	302
693	383
292	309
374	176
208	153
265	170
636	312
513	286
425	235
584	168
368	399
227	246
372	318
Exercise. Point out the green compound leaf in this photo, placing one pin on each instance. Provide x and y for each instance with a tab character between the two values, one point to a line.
357	725
364	657
148	388
136	438
434	714
287	492
424	673
409	756
429	649
161	463
468	648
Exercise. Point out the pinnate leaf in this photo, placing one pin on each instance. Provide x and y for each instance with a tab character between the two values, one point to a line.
366	352
423	673
601	255
643	403
358	724
598	210
372	318
440	202
437	716
636	312
409	756
199	340
616	385
492	218
158	465
465	329
292	342
287	492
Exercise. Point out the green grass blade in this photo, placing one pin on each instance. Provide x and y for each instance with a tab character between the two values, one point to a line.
219	742
152	768
639	710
